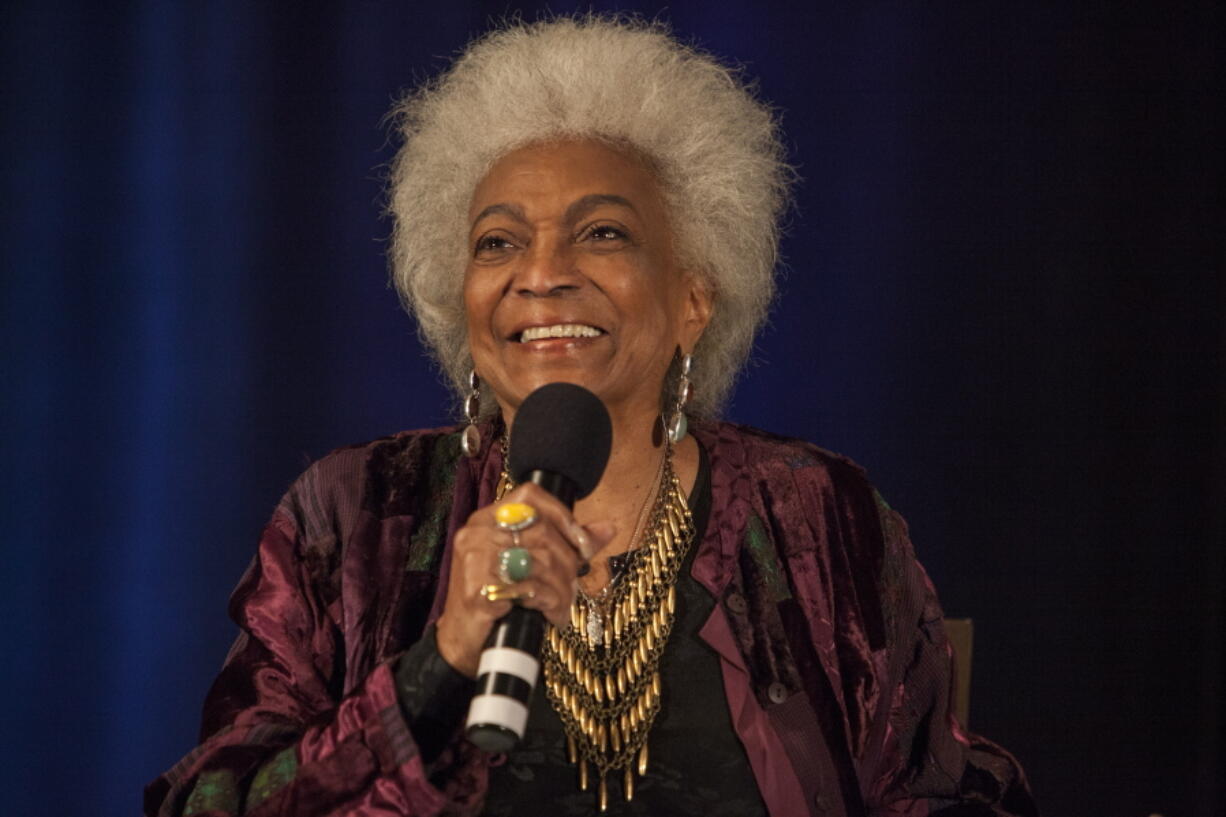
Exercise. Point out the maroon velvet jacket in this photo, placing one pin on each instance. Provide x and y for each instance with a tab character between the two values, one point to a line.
835	664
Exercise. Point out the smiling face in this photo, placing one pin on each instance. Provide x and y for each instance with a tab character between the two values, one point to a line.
572	277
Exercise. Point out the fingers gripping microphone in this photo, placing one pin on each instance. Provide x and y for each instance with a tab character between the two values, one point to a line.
560	440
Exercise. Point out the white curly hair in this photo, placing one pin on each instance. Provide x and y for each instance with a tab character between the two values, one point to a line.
715	149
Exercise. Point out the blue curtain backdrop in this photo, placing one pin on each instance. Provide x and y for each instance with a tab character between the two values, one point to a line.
1003	296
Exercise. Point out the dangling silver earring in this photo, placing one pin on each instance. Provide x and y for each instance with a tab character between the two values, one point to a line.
470	440
678	425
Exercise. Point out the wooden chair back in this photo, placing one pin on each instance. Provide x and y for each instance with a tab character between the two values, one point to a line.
961	634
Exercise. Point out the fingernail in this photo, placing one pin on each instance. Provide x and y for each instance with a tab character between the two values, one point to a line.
584	569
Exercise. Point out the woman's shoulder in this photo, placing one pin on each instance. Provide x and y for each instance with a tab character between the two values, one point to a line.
746	447
385	476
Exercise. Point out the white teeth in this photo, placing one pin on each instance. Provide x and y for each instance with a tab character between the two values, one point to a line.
561	330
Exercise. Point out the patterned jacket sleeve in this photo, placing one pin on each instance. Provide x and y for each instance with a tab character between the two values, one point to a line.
925	763
281	735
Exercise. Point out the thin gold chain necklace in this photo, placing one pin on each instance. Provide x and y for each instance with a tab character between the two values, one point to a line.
607	691
599	611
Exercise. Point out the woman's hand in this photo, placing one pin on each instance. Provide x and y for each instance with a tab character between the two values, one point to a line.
558	544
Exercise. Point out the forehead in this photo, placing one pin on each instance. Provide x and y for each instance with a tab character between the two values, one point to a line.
560	172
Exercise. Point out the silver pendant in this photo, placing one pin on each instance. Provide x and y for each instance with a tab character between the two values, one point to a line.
595	624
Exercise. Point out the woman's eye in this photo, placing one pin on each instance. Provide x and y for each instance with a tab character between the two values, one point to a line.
492	243
605	232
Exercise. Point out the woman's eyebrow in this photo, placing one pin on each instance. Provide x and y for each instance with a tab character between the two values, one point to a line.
513	210
590	202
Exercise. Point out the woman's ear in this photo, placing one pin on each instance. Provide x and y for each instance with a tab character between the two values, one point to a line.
697	308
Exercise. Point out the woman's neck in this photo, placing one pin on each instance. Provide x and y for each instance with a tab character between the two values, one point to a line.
630	484
634	462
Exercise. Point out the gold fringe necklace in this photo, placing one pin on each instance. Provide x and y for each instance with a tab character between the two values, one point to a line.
602	672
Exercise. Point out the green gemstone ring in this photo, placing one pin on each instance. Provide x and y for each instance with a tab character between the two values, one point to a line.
514	564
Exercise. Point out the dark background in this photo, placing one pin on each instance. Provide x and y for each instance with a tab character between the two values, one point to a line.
1004	298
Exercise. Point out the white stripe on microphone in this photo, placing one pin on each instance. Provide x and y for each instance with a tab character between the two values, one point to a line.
499	709
509	661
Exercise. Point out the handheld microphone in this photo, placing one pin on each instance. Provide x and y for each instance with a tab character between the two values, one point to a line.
560	440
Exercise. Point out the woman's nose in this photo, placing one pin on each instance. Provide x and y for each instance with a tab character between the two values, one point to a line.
548	270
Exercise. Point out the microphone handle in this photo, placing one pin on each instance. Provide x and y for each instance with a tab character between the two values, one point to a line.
510	662
562	487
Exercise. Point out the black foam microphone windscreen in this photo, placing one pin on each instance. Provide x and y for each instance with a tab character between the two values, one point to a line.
560	440
561	429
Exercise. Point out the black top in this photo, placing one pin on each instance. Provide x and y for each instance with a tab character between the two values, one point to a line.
696	764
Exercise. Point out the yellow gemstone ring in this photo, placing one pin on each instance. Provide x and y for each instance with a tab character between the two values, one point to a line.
515	516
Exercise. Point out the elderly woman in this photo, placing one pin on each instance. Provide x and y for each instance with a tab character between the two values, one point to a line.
589	201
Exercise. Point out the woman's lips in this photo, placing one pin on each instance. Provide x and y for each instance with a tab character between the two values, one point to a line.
558	330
